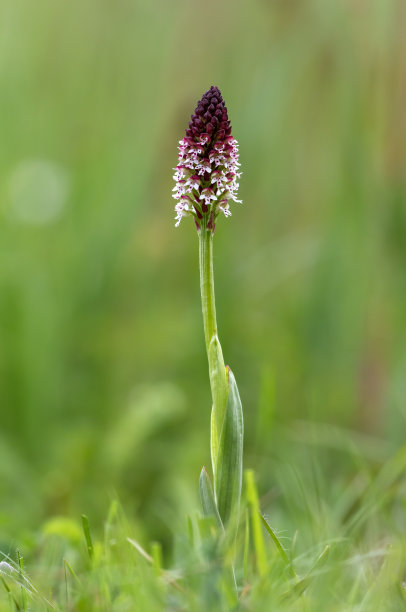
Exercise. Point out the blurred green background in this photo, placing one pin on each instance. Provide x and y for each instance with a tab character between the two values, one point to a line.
103	377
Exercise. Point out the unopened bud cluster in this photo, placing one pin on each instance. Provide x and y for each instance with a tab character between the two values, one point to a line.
207	172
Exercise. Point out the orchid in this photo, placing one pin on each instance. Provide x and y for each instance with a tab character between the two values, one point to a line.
206	181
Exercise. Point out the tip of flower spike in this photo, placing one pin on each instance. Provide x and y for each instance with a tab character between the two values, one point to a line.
210	118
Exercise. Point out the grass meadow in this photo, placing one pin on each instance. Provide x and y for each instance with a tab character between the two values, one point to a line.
104	393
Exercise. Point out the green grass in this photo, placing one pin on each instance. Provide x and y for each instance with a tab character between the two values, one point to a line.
349	556
103	375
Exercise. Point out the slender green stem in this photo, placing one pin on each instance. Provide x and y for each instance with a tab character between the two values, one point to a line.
226	425
207	283
217	370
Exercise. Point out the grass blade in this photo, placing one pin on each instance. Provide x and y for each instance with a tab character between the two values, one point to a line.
88	537
259	544
279	546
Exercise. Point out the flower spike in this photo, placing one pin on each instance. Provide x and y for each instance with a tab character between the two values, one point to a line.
207	172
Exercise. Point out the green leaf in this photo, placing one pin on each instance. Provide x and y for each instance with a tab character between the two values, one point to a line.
218	384
207	497
228	475
214	440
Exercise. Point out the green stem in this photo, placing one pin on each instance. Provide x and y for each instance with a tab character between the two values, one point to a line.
207	283
217	370
226	426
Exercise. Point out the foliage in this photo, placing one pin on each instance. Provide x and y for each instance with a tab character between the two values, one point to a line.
346	569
